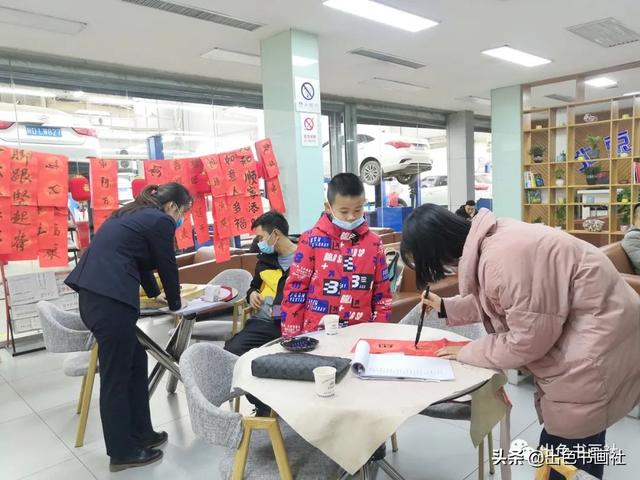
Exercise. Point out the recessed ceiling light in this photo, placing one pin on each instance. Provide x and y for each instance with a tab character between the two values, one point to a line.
38	21
601	82
631	94
516	56
383	14
232	56
28	92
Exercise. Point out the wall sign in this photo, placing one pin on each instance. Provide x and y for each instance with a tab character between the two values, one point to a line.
307	95
309	135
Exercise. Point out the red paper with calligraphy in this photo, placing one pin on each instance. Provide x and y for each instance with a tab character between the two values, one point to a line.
264	148
426	348
52	237
200	222
99	217
221	248
222	217
5	172
177	171
104	184
240	221
53	181
157	172
192	168
217	179
5	225
184	234
24	178
254	208
274	194
24	233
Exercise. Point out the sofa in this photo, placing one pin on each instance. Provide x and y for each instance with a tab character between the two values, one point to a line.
619	258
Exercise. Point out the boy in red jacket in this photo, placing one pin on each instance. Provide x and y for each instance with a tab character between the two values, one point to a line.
339	267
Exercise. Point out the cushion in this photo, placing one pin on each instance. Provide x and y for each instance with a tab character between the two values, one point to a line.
76	364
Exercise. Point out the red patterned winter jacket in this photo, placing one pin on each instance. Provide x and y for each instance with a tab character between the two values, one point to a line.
336	271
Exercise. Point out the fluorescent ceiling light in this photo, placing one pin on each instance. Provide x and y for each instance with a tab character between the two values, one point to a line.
232	56
631	94
475	99
516	56
601	82
383	14
303	61
23	18
28	92
395	85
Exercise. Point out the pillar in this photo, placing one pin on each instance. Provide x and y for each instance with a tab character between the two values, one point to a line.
460	158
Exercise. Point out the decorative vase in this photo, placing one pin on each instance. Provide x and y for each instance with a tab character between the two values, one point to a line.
559	182
594	154
538	159
592	179
624	228
624	154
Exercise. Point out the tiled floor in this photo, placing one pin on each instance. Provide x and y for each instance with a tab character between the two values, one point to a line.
38	422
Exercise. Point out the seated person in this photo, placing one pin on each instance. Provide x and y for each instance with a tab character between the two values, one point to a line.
631	240
265	293
340	266
468	210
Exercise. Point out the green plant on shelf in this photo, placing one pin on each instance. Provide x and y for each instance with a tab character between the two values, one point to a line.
624	211
537	220
559	173
537	153
594	142
561	216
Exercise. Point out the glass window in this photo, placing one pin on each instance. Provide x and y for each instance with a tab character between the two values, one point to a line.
483	167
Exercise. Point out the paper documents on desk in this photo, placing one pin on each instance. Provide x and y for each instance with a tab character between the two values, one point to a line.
391	366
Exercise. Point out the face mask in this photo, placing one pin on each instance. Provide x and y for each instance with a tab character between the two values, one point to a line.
179	222
265	247
346	225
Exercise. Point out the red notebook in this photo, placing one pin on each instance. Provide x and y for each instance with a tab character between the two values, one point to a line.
427	348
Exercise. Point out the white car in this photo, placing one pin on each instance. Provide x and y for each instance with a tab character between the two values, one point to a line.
49	130
402	158
435	188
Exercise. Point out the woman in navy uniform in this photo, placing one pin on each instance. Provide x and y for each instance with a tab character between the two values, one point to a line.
135	241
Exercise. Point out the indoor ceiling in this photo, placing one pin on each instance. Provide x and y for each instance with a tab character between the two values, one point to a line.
130	35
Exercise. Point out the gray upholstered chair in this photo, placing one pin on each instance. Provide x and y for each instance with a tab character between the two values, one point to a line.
64	332
212	330
454	410
256	447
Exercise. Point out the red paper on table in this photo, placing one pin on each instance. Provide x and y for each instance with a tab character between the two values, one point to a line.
5	174
192	168
52	237
200	222
24	178
24	233
53	181
104	184
267	158
427	348
99	217
216	176
274	194
221	248
157	172
240	221
221	217
5	225
184	234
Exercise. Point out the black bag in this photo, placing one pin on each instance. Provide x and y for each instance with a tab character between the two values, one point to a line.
296	366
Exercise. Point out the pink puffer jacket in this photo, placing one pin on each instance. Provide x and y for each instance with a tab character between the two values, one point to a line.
556	306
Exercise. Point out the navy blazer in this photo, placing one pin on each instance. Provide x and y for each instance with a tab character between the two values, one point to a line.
123	255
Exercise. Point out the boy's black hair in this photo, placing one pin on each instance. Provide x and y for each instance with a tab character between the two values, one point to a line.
270	220
636	210
346	185
470	203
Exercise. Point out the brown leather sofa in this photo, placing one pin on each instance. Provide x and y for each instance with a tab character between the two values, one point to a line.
619	258
200	267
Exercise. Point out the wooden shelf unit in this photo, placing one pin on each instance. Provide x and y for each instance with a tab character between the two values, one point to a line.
564	129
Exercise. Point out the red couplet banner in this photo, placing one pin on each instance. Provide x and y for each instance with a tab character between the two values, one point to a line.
104	184
53	181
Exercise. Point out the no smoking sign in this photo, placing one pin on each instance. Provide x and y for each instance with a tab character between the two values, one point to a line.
309	130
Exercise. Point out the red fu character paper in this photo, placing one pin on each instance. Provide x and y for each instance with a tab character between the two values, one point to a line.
53	181
267	158
24	178
217	179
199	214
5	225
222	248
274	194
24	233
99	217
5	172
52	237
157	172
240	219
184	234
104	184
221	217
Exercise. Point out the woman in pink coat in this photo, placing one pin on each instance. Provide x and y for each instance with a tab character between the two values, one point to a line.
551	303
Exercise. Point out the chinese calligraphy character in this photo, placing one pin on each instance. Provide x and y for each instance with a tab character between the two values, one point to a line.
104	182
250	176
231	174
41	230
21	196
55	189
236	207
20	218
229	159
21	175
240	223
106	201
102	163
52	164
21	155
155	171
56	229
20	241
52	253
253	207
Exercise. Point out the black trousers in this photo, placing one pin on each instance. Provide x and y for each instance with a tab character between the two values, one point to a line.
254	334
553	442
124	384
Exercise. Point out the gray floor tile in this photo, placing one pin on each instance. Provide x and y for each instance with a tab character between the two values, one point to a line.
28	446
69	470
12	406
30	364
48	390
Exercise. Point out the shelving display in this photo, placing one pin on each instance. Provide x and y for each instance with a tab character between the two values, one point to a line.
582	161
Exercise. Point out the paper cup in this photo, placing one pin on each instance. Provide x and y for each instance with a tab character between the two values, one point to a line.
331	323
325	379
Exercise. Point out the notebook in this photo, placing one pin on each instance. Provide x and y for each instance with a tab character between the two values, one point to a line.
392	366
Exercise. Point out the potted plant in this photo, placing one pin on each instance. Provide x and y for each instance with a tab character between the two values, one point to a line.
559	177
537	153
594	142
624	214
561	217
591	172
538	220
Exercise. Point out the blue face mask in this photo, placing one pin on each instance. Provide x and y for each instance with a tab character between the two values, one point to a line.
179	222
346	225
265	247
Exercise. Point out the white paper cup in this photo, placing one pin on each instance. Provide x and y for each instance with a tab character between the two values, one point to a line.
325	378
331	323
212	293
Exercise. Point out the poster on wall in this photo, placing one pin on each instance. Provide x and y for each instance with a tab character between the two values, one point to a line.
307	95
309	131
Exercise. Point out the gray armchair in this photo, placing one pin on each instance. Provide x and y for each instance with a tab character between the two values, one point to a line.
64	332
257	448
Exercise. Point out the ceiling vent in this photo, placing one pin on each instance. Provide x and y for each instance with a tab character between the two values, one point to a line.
387	57
197	13
561	98
607	32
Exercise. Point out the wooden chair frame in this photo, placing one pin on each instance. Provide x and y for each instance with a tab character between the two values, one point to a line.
544	471
86	390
